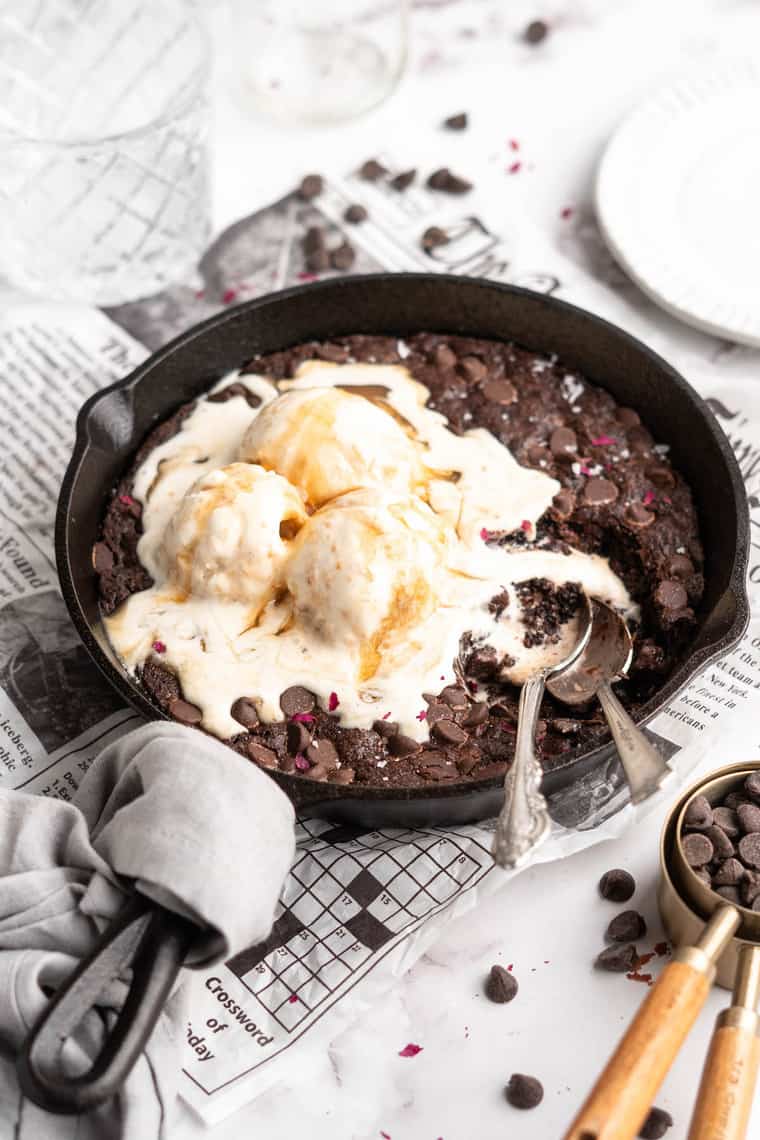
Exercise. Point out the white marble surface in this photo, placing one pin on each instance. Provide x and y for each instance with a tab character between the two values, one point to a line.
561	100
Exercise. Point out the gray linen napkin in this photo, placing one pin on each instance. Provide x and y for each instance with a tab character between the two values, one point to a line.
191	825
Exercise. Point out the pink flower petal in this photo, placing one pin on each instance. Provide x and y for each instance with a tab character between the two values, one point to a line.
386	716
514	168
422	715
603	440
127	500
332	702
228	296
485	534
385	1135
566	212
514	144
303	718
410	1050
526	525
302	764
648	498
307	276
293	999
585	470
159	647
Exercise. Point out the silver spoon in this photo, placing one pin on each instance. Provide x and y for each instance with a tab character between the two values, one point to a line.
524	820
605	656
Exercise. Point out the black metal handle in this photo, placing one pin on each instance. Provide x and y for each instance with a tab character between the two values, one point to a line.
154	941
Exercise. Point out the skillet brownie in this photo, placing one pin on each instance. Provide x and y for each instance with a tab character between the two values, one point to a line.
616	498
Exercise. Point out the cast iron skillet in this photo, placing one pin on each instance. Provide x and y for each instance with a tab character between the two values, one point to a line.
113	423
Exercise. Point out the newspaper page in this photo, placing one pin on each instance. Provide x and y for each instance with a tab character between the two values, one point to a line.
358	907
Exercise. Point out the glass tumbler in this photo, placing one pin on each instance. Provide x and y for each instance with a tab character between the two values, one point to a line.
318	61
104	119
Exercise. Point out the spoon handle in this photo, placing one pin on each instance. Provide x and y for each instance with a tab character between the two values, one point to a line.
524	820
644	768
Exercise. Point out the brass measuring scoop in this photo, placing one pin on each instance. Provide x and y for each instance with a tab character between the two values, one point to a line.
715	939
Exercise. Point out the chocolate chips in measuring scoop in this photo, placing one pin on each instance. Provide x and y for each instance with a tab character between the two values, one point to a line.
721	843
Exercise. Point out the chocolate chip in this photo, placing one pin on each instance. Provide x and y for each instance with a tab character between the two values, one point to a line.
436	709
467	759
184	712
318	772
499	392
355	214
433	237
563	503
455	697
493	771
402	745
697	849
261	755
617	959
626	927
405	178
722	846
524	1092
501	986
317	261
735	800
456	122
438	772
447	182
343	257
444	357
483	662
730	894
473	369
750	887
729	874
599	492
244	712
499	603
628	417
752	786
385	728
679	566
342	776
313	239
322	752
662	476
671	595
639	440
296	699
728	821
656	1124
448	732
617	885
563	442
703	875
748	816
535	32
102	558
637	516
478	714
310	187
749	849
297	736
698	815
372	170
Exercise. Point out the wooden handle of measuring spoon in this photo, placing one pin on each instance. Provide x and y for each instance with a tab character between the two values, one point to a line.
623	1095
727	1088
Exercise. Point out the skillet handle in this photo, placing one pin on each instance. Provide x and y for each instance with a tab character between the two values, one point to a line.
155	942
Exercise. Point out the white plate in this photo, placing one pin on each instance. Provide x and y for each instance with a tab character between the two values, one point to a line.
678	199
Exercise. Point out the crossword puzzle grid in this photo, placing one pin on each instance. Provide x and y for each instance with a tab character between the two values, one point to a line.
348	894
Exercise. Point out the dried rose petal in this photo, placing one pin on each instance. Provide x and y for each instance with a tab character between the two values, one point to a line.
307	276
514	168
410	1050
332	702
302	764
514	144
159	647
303	717
422	715
386	716
648	498
385	1135
526	525
228	296
603	440
585	469
566	212
127	500
293	999
485	534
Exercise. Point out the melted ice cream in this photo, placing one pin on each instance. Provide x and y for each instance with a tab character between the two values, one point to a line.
336	541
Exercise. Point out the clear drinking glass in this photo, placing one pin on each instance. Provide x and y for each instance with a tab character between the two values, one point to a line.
104	116
319	61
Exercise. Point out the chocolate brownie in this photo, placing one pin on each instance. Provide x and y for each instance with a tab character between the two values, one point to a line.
620	497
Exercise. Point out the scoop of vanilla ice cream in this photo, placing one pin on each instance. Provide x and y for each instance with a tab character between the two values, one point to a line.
364	570
232	533
328	442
